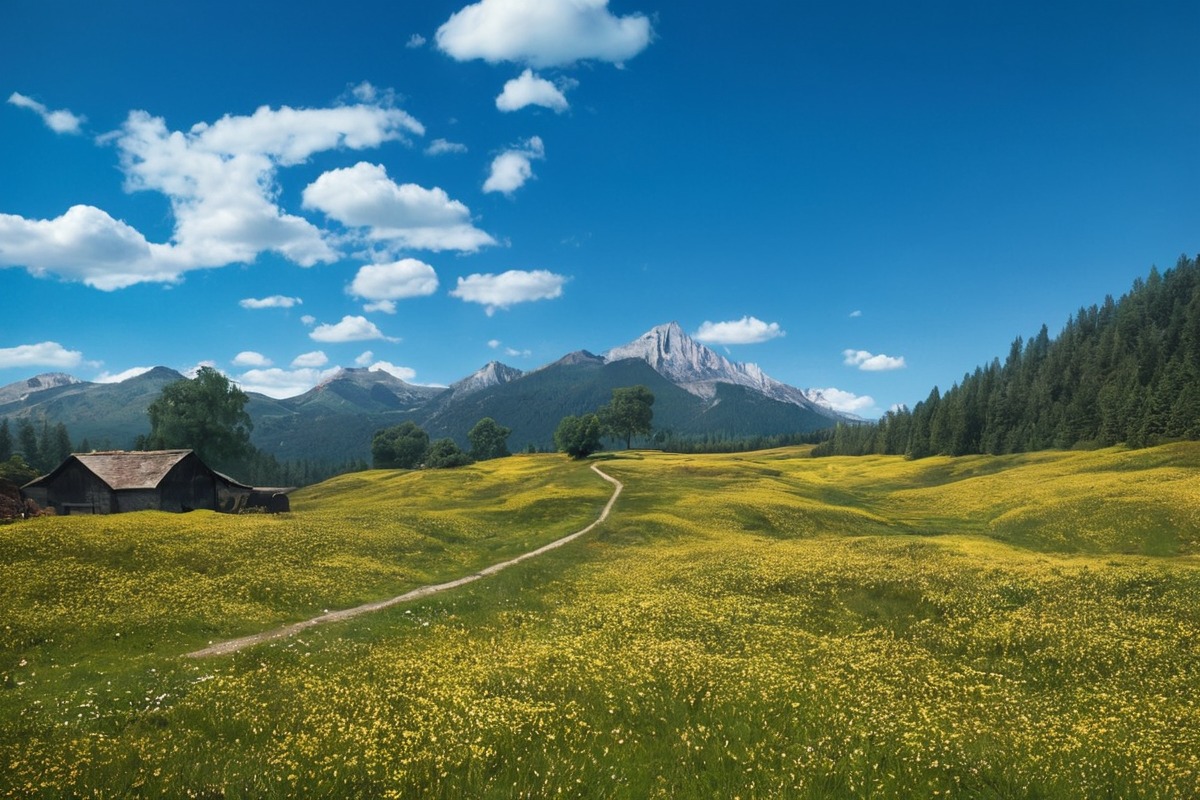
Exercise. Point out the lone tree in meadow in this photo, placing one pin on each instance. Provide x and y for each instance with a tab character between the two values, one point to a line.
628	414
206	414
402	446
489	439
578	437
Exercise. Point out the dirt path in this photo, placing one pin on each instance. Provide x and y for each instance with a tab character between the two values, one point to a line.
234	645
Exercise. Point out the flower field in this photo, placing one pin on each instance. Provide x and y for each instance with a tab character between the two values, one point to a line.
750	625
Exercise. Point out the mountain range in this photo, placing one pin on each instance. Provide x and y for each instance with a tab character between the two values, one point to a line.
698	393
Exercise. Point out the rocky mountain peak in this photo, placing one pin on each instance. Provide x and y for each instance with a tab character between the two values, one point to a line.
19	391
698	369
491	374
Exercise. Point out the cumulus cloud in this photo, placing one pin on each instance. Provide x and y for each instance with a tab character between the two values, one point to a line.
530	90
440	147
838	400
747	330
512	168
249	358
546	33
365	358
314	359
513	352
494	343
60	121
408	215
415	41
118	377
872	363
385	283
403	373
220	181
42	354
350	329
309	319
855	314
282	383
84	244
509	288
274	301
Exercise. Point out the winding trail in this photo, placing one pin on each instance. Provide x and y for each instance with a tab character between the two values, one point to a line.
234	645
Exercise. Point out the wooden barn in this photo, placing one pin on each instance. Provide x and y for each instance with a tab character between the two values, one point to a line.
165	480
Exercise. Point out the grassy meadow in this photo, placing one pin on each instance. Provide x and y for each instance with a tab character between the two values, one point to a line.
749	625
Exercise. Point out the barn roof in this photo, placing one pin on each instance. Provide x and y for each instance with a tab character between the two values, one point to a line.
132	470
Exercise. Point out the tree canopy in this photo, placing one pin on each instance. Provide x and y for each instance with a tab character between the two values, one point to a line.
488	439
206	414
578	437
628	414
402	446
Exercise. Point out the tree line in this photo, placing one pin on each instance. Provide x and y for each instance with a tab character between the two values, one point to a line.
1125	371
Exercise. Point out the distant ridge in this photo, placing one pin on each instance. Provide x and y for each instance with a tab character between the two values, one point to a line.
698	392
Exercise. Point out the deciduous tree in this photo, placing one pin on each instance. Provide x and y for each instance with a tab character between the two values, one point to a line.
578	437
488	439
628	414
402	446
206	414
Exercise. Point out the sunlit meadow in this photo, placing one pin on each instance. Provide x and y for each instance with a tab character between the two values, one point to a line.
753	625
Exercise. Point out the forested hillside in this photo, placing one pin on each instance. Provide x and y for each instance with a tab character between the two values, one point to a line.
1122	372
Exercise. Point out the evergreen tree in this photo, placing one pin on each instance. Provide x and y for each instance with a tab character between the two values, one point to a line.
6	440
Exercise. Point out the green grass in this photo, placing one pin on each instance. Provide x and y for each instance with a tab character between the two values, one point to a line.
758	625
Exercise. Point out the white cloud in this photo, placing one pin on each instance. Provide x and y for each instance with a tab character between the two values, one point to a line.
84	244
350	329
515	353
220	180
60	121
43	354
282	383
309	319
274	301
512	168
403	373
838	400
365	358
192	372
441	146
543	33
314	359
509	288
872	363
385	283
493	343
747	330
415	41
109	377
530	90
855	314
411	216
249	358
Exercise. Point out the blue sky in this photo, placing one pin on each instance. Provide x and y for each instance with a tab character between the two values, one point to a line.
869	198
